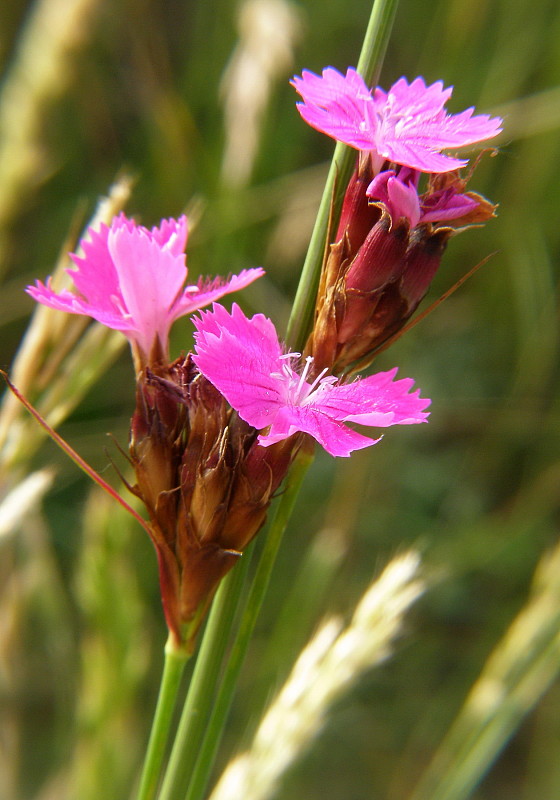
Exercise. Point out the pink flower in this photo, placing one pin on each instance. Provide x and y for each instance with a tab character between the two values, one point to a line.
398	190
406	125
132	279
244	360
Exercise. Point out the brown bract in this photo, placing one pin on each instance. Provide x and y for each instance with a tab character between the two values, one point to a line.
206	484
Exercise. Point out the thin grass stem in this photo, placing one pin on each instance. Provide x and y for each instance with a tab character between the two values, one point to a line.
174	664
328	666
207	751
205	677
177	780
369	66
517	673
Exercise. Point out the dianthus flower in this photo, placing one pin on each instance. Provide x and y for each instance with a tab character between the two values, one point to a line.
132	279
244	360
406	125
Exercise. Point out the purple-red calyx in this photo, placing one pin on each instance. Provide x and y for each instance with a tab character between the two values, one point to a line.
244	360
132	279
407	125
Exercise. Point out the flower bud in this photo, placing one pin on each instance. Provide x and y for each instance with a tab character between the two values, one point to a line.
423	257
377	265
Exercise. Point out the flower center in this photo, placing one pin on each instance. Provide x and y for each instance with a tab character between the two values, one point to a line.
299	392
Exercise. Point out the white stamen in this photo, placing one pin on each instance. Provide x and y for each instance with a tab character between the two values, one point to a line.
308	362
318	379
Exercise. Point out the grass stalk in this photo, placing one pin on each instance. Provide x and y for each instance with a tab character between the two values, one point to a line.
517	673
177	779
207	751
174	664
369	66
329	665
202	689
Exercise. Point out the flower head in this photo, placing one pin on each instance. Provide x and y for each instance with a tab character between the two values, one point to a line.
132	279
406	125
244	360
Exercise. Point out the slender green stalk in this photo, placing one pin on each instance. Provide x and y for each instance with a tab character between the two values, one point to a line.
206	673
207	750
376	39
178	779
369	66
175	660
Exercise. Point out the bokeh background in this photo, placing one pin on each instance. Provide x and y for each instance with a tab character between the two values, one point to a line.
191	100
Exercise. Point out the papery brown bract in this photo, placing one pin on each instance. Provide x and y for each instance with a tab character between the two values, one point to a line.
206	484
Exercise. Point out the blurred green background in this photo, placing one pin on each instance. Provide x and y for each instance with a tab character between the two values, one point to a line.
172	94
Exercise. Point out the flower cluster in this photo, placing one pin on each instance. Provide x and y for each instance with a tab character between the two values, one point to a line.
392	233
215	431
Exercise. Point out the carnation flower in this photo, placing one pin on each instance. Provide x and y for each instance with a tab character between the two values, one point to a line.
132	279
244	360
406	125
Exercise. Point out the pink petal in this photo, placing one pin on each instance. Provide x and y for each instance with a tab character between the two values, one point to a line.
336	438
406	125
404	201
96	278
150	278
461	129
131	279
241	357
196	297
400	198
377	189
399	195
377	400
74	304
340	106
172	233
415	154
446	205
415	126
412	100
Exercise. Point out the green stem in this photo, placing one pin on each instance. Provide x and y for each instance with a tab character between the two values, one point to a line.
369	66
175	660
202	688
376	40
301	318
207	750
187	746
